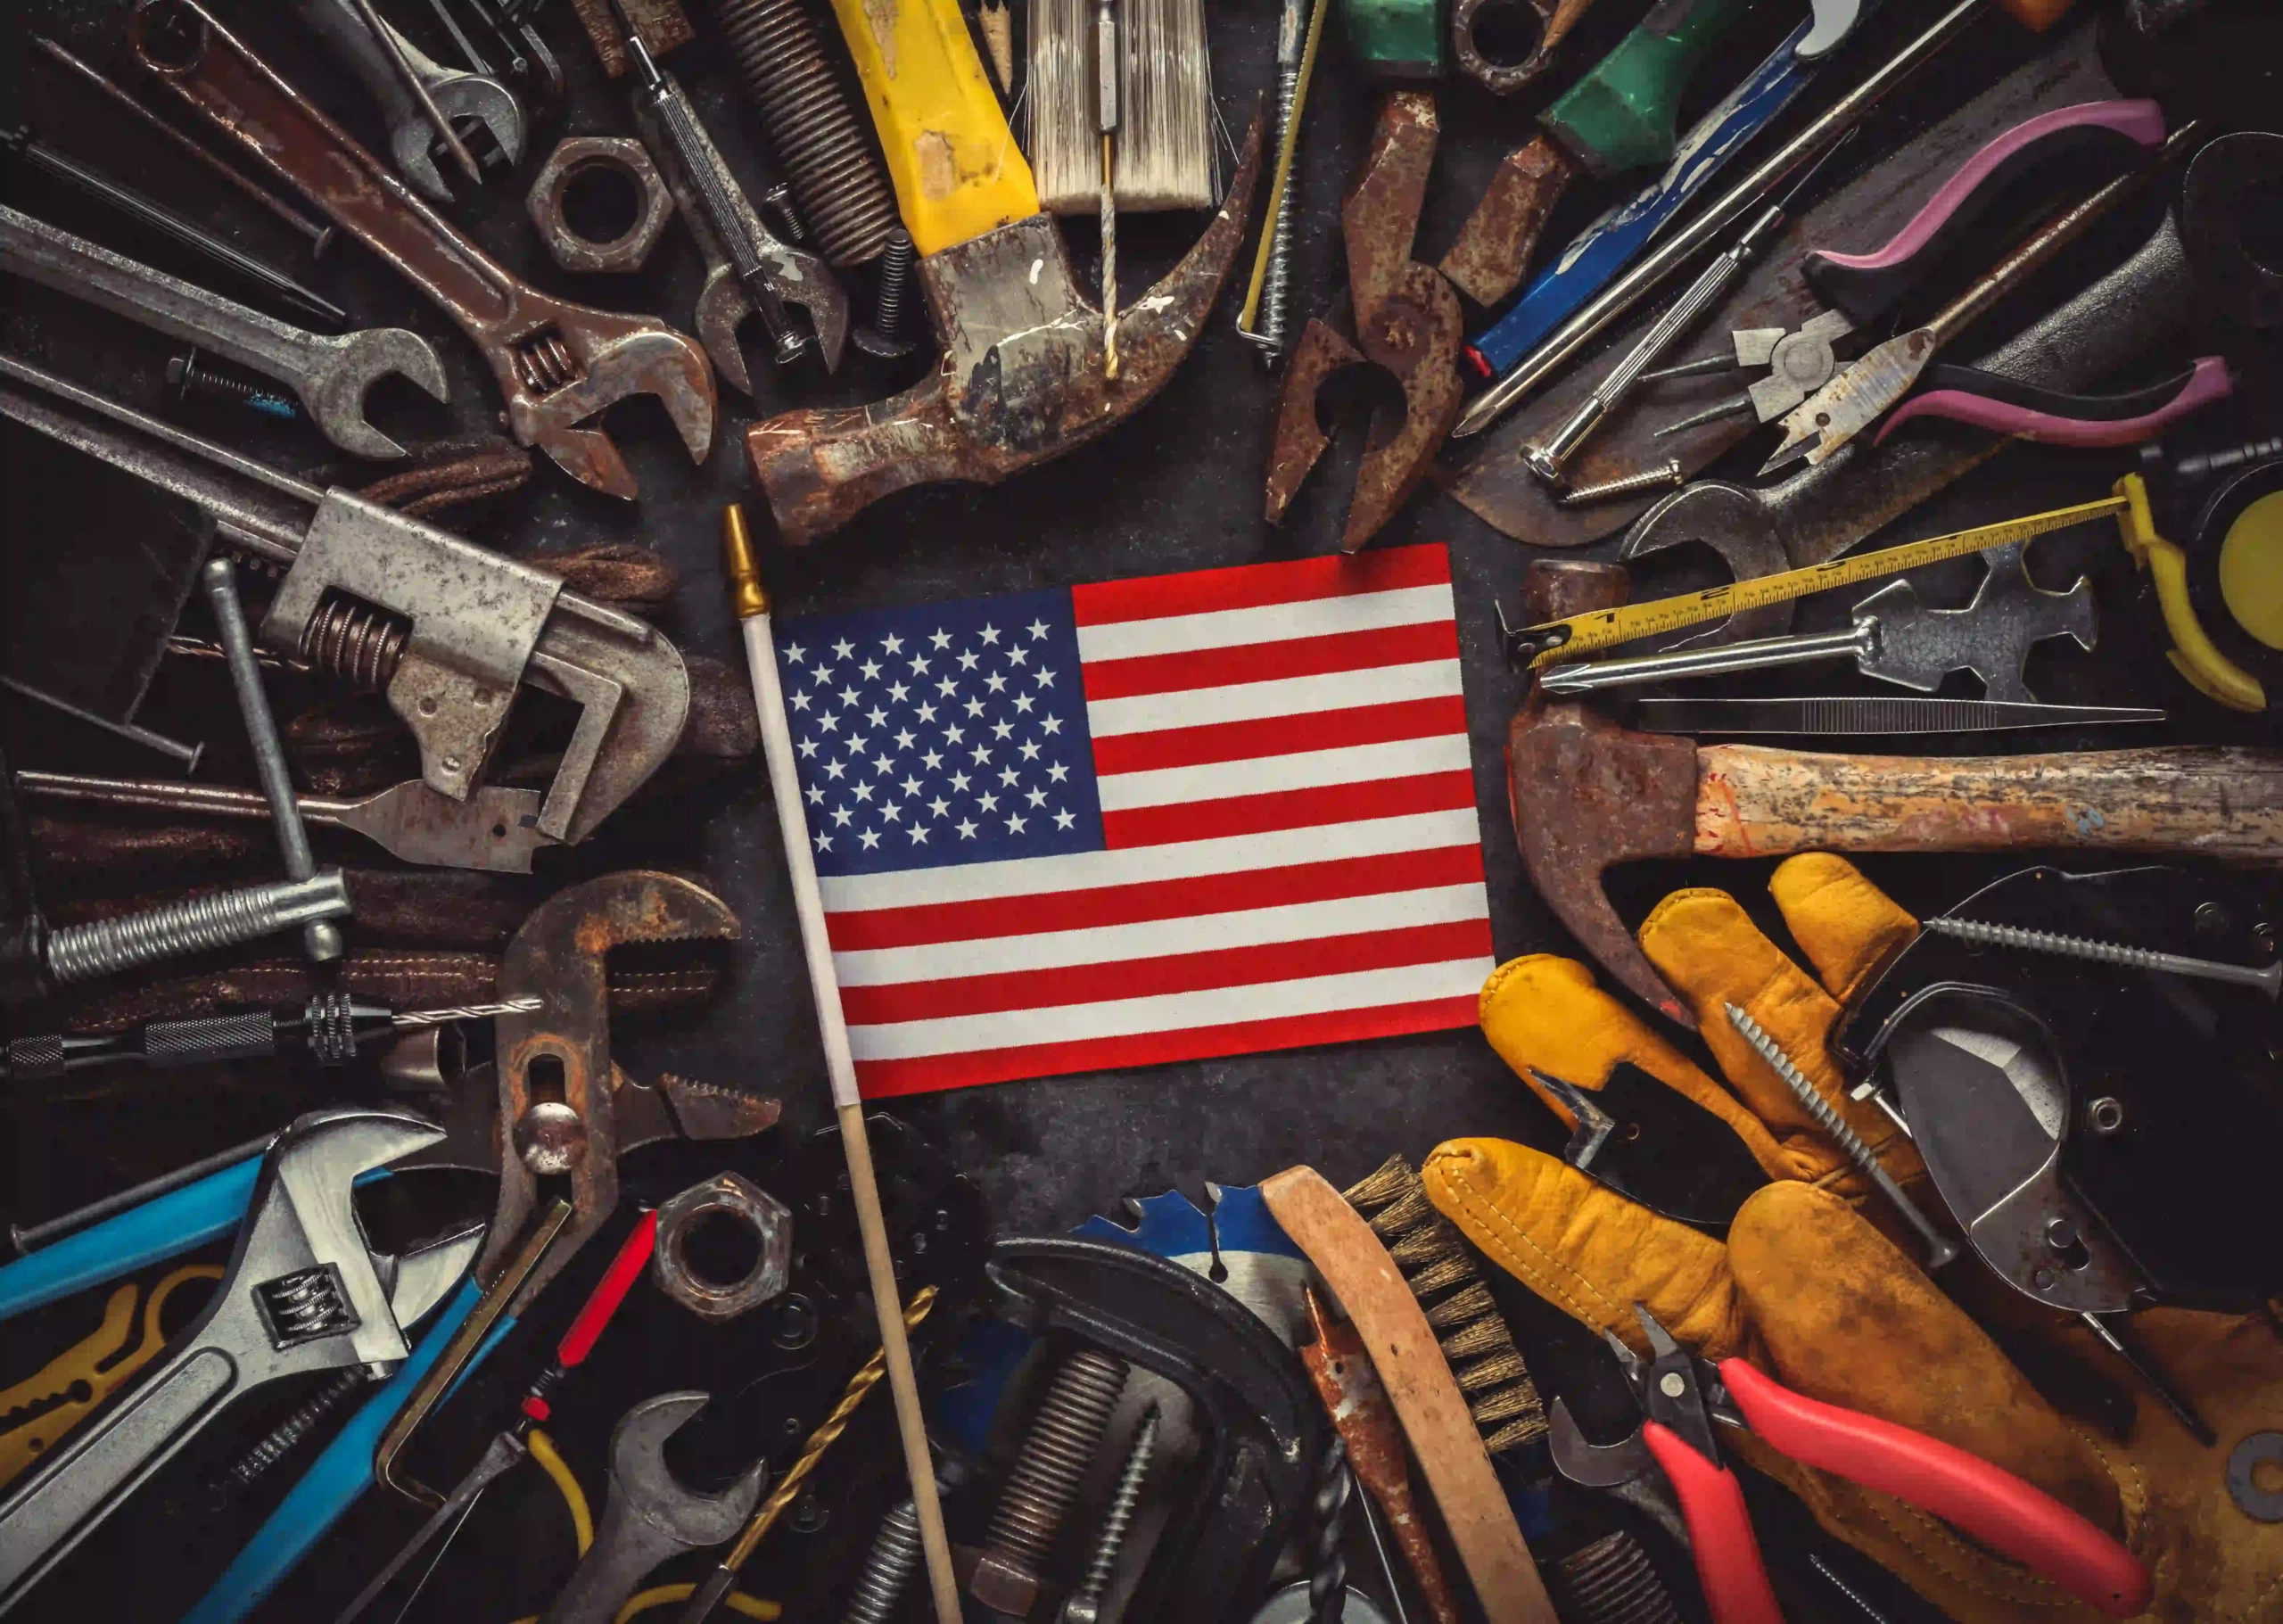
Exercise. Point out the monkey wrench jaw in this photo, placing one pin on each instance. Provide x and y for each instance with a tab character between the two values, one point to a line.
1022	381
614	356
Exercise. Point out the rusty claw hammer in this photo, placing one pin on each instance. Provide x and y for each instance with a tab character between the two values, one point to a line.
1023	376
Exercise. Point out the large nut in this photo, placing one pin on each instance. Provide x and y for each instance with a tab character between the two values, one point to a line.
1004	1586
771	1224
579	155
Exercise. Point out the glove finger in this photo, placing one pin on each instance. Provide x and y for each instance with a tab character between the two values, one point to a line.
1849	929
1584	1247
1544	1013
1704	944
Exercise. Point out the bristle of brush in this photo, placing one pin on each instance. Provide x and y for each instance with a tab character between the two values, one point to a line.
1164	143
1436	1265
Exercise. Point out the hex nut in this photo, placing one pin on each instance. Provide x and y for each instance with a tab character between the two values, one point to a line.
768	1219
574	156
1003	1585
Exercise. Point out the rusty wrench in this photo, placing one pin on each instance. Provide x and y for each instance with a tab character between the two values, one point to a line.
559	364
472	98
328	374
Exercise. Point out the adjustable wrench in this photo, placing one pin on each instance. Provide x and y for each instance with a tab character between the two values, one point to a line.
329	376
304	1292
649	1515
463	98
559	364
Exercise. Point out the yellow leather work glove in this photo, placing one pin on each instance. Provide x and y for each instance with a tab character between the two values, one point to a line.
1818	1297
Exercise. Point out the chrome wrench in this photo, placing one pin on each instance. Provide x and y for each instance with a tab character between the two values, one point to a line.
328	374
559	364
463	98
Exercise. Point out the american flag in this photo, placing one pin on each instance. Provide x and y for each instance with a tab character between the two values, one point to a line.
1144	821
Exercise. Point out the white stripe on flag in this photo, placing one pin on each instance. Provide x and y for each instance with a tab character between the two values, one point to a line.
1284	697
1172	1011
1400	758
1160	938
1179	860
1269	623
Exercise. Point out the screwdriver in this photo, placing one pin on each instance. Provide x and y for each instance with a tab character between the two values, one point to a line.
332	1029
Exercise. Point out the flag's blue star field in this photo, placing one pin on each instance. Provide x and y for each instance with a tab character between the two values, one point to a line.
942	734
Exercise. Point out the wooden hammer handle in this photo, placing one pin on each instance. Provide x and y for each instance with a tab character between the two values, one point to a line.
2224	803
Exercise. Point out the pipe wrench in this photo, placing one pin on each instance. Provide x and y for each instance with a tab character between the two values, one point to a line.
303	1292
559	364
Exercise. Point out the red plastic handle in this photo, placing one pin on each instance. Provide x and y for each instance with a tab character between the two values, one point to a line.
1986	1502
1720	1531
609	1292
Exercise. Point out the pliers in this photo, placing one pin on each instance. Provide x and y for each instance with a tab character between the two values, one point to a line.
1683	1397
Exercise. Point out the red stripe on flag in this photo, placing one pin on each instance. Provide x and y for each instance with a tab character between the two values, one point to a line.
1304	657
1253	586
1424	792
1193	972
887	1079
862	929
1245	741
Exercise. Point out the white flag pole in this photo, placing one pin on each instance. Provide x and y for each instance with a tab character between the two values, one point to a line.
750	601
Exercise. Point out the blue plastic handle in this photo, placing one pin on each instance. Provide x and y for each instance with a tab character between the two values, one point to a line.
162	1227
1594	258
339	1476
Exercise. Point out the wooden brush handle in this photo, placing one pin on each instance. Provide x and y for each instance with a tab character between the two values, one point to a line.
2225	804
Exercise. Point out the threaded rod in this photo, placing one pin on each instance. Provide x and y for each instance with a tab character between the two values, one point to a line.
2269	980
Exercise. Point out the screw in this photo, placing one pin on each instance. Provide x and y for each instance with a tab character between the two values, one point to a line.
81	952
779	200
887	307
1826	1115
1666	476
889	1567
320	938
1056	1451
190	377
1086	1603
1674	1385
280	1440
2269	980
1267	335
808	1514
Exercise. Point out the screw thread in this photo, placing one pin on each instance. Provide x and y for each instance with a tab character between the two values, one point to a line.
1056	1453
1084	1606
1276	285
280	1440
2098	952
195	377
895	277
80	952
1664	476
889	1567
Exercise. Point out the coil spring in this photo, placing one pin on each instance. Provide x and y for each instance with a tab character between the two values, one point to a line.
1057	1450
280	1440
889	1567
544	363
1328	1568
354	642
811	126
1612	1582
304	1306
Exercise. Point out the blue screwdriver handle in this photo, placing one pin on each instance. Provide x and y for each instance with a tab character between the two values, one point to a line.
338	1477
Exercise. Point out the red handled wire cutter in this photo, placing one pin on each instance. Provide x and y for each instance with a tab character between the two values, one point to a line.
1682	1396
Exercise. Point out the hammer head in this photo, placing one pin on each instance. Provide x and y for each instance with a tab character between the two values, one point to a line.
1586	793
1023	378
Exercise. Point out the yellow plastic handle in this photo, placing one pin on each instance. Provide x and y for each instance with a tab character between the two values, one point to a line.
958	173
2194	654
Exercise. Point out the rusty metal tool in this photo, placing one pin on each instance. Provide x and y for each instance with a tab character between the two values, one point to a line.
1553	19
494	829
1022	379
577	1129
559	364
328	374
424	104
449	630
1360	1413
1587	794
1406	323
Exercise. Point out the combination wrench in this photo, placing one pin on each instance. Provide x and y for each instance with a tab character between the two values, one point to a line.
469	101
559	364
649	1515
328	374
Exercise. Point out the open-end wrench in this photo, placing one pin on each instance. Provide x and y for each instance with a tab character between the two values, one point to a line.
559	364
649	1515
468	100
328	374
304	1292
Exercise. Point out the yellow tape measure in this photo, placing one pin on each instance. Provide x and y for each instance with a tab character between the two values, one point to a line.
1555	641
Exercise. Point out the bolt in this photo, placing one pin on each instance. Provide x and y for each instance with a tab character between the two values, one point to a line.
1086	1603
2212	920
808	1514
1940	1251
2268	980
550	1138
778	200
281	1439
2061	1234
1674	1385
1056	1452
2043	1278
2105	1115
190	377
1666	476
889	1567
81	952
887	307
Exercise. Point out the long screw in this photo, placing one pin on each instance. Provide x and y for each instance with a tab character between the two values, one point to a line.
279	1441
716	1585
1939	1249
1665	476
889	1567
192	376
1295	37
81	952
888	305
320	938
1057	1450
2269	980
1086	1603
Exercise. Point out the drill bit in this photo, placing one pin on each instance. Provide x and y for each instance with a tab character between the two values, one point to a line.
1106	64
